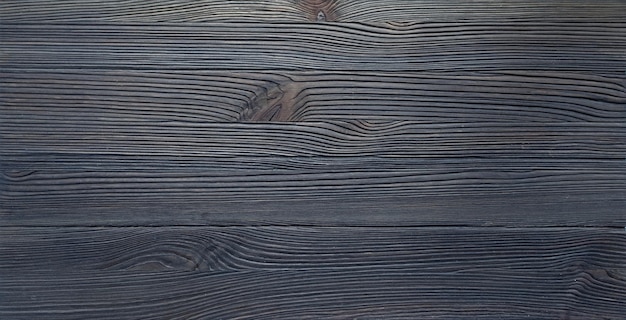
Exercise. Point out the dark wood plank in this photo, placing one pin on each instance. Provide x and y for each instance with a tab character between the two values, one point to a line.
127	96
484	10
571	209
140	148
111	96
461	46
275	273
446	97
26	139
217	159
199	174
53	188
152	11
211	249
329	294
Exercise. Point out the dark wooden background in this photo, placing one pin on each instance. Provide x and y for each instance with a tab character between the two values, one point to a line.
311	159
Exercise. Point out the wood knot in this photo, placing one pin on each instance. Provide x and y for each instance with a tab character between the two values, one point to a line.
319	10
321	16
273	104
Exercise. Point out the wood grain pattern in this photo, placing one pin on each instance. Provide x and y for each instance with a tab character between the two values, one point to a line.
211	249
518	210
28	138
211	96
341	173
336	294
125	96
237	173
312	159
463	46
153	11
444	97
285	272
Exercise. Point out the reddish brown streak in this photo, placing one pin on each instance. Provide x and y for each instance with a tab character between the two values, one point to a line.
320	10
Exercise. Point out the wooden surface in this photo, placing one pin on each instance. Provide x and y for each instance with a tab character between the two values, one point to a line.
312	159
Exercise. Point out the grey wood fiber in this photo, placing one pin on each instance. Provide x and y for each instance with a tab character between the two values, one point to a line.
312	159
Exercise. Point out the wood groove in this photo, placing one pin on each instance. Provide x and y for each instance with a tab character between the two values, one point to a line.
325	168
566	141
463	46
252	186
312	159
305	10
279	248
375	272
311	96
363	294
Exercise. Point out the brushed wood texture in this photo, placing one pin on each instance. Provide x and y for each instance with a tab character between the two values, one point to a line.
312	159
459	46
335	294
211	249
199	174
25	137
279	273
212	96
155	11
